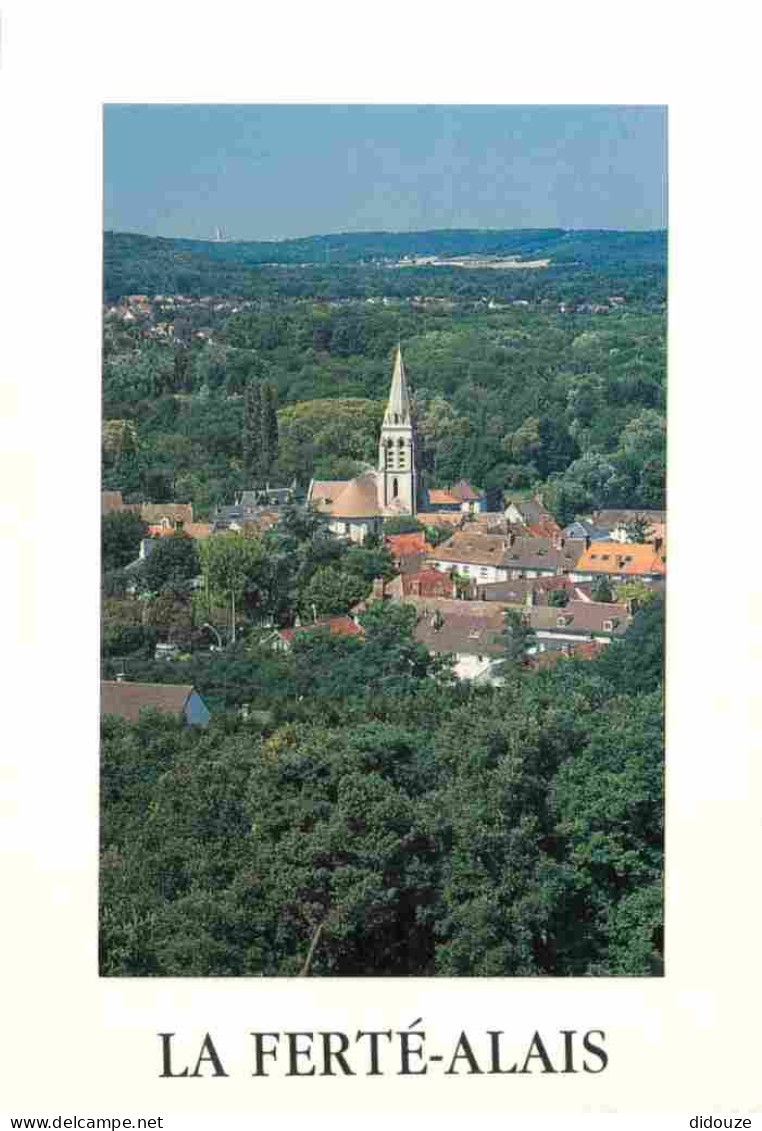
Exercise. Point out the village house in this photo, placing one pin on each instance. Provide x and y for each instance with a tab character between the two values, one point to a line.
524	592
112	503
254	505
541	557
640	560
409	551
584	528
472	554
169	516
470	631
460	498
576	623
283	638
485	558
195	530
127	700
615	522
238	519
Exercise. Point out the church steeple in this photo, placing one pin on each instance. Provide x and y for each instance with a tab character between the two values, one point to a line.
397	478
398	408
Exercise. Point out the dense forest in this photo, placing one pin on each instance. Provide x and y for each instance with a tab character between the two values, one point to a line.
566	395
352	801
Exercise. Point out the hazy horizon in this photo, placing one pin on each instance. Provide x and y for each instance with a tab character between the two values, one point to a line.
368	232
286	171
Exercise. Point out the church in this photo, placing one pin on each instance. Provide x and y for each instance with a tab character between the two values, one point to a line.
354	508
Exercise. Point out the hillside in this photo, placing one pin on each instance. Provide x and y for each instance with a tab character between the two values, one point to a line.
360	264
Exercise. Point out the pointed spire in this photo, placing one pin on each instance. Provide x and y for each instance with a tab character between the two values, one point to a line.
398	408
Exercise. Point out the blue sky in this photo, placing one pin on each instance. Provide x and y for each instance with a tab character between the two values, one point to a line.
275	171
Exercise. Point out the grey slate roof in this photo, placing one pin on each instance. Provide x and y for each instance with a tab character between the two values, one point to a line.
466	627
582	617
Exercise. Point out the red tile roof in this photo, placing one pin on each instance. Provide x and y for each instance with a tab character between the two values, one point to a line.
337	626
425	583
630	558
408	545
443	499
192	529
465	492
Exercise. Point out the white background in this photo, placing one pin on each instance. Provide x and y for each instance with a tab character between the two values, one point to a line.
72	1044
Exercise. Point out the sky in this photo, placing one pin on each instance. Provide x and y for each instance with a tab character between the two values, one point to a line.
264	172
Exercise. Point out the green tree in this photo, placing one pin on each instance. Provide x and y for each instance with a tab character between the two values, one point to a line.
602	590
636	592
252	432
636	664
269	445
638	528
518	637
330	591
609	811
234	566
121	535
173	562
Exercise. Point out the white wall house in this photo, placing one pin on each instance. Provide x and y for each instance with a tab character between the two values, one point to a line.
473	570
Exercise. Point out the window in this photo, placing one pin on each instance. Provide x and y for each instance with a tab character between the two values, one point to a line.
608	626
395	488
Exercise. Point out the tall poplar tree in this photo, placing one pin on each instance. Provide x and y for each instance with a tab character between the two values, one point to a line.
252	432
269	426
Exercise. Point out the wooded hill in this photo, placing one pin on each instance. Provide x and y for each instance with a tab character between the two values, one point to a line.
583	264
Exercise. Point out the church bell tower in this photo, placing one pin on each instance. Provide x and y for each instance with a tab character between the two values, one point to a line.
397	481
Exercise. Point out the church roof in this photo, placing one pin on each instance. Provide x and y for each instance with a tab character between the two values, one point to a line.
347	498
398	408
359	499
325	492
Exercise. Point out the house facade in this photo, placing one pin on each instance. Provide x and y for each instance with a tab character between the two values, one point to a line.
470	631
621	562
578	622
